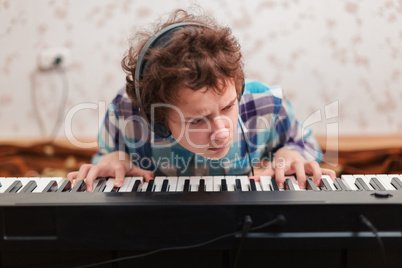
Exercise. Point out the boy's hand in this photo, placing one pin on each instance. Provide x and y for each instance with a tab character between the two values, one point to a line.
288	162
116	164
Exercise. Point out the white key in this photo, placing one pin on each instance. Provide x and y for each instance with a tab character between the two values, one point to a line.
25	180
367	181
294	182
349	182
393	176
370	177
109	185
144	187
265	183
209	183
231	183
5	183
180	183
126	183
158	181
194	183
172	184
330	182
245	183
385	181
133	180
43	182
217	180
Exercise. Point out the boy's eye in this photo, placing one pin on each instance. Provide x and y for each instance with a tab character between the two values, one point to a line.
195	121
228	107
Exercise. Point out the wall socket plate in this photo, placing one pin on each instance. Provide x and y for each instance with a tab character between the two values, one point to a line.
54	57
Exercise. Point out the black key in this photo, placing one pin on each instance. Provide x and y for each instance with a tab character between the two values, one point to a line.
274	186
150	186
115	189
224	186
201	188
186	187
50	187
397	183
337	186
14	187
29	187
238	185
165	185
65	186
100	187
289	185
311	186
136	185
342	186
252	185
79	187
325	185
376	184
361	184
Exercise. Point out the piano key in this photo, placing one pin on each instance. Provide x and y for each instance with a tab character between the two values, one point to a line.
29	187
385	181
150	187
201	188
364	182
341	185
336	184
310	185
65	186
50	187
43	182
24	181
325	186
224	186
80	186
137	185
349	182
238	185
245	183
144	187
396	182
376	184
165	185
230	183
217	183
186	187
209	183
14	187
99	185
109	185
5	183
253	188
274	185
126	184
195	183
291	183
361	184
171	184
265	183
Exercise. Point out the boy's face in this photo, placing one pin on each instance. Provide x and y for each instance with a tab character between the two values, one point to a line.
204	122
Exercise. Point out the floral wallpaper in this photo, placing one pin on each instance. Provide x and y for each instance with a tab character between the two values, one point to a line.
338	61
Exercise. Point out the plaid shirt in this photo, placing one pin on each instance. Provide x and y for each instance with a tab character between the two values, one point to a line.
266	117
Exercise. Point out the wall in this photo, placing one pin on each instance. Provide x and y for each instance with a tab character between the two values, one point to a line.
339	62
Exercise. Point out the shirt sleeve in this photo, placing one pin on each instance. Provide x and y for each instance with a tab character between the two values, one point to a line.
291	133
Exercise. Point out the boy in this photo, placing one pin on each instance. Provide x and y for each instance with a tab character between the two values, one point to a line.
188	111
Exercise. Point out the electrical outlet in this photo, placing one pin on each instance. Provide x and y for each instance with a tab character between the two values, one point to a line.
55	57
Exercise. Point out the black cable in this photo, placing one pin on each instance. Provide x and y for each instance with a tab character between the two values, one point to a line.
368	223
280	219
246	228
248	151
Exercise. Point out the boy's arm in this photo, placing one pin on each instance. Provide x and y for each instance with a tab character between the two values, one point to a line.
112	159
296	151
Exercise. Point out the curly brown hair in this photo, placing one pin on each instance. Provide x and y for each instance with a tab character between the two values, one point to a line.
208	57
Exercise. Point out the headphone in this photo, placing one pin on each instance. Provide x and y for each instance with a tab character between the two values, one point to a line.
160	40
